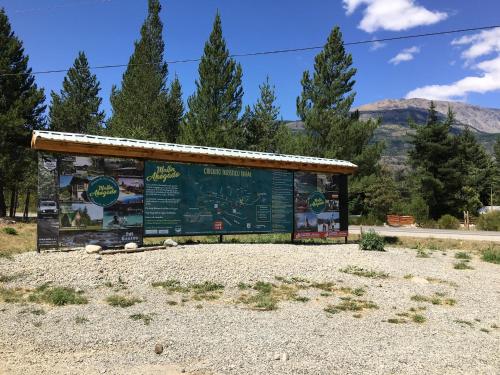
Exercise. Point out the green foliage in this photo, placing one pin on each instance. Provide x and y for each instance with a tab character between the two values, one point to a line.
144	99
212	118
21	111
261	122
489	221
76	108
10	231
462	266
146	318
448	222
58	296
371	241
463	255
491	254
122	301
358	271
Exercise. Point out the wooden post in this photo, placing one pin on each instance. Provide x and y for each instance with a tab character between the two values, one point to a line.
221	238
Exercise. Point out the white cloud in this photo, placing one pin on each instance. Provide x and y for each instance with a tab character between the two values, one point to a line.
377	45
393	15
405	55
482	44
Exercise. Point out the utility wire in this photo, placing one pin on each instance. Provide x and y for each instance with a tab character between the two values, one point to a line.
278	51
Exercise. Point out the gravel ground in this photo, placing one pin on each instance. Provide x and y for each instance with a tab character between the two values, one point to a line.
225	337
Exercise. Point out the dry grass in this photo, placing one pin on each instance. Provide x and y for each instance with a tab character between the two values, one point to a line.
25	240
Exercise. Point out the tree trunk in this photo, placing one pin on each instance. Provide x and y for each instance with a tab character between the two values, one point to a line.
26	206
3	207
12	207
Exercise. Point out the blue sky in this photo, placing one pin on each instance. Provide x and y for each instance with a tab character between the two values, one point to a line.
461	67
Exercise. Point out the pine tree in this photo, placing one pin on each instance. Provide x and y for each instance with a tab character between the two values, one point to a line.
434	158
476	168
76	108
21	111
261	122
175	113
140	106
212	118
325	107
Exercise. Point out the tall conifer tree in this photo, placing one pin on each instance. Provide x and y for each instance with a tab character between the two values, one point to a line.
434	158
140	106
261	122
325	107
21	111
175	112
76	108
212	119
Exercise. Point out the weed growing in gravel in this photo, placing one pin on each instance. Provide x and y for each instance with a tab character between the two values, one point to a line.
408	276
199	306
421	253
434	280
9	278
172	286
417	318
396	321
58	296
466	322
6	256
419	308
268	295
325	286
484	330
348	304
358	271
12	295
81	320
146	318
463	255
122	301
371	241
435	300
491	254
357	316
325	294
171	303
203	291
494	326
301	299
243	286
462	266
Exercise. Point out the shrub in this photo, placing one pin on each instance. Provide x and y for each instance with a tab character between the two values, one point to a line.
11	231
448	222
57	296
371	241
428	223
121	301
489	221
492	255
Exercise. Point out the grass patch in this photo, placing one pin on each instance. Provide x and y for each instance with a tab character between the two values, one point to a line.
396	321
348	304
435	300
9	278
146	318
81	320
57	296
358	271
171	303
485	330
466	322
462	266
122	301
408	276
463	255
203	291
417	318
10	231
421	253
25	240
491	255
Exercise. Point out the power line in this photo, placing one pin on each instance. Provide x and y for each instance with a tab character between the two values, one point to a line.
278	51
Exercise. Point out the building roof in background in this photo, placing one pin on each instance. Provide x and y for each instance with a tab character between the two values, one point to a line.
133	148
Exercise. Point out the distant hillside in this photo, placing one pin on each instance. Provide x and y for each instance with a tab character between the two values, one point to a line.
394	129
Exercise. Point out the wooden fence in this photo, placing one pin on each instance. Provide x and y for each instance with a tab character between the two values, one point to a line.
397	220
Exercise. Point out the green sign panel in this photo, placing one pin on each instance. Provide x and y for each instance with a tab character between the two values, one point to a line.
183	199
317	202
103	191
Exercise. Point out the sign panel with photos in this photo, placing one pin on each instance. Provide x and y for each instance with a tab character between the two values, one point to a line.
320	201
90	200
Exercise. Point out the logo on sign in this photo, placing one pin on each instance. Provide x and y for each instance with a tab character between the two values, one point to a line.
103	191
316	202
163	173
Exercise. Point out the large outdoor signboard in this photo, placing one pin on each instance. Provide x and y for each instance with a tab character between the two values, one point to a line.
186	199
89	200
320	202
111	201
